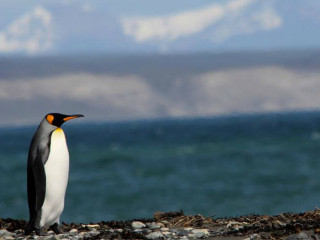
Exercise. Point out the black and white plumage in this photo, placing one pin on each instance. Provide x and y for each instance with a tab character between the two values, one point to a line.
48	171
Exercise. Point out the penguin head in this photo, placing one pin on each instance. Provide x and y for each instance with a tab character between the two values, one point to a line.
57	119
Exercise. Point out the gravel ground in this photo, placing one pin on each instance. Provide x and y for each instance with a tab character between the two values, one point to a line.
176	225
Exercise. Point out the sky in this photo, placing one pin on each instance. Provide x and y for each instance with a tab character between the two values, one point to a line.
43	27
36	28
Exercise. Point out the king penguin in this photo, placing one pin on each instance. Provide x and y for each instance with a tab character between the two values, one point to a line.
47	173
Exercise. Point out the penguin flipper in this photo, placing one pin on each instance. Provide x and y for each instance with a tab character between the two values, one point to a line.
40	182
36	192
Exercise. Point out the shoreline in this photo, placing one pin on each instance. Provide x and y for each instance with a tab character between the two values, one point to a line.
176	225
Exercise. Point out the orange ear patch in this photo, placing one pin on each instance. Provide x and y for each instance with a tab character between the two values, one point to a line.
50	118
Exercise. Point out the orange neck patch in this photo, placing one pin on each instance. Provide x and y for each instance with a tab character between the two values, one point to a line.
50	118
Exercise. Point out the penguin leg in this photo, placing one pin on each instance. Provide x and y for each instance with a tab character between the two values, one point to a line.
55	228
32	226
39	231
37	225
29	229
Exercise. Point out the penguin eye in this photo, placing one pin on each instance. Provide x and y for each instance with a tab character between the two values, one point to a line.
50	118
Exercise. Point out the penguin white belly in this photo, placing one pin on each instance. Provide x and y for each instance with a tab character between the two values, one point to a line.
57	173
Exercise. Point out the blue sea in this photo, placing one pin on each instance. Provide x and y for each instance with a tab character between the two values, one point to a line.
220	166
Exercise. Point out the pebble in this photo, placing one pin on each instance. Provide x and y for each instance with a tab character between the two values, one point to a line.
199	233
184	238
255	236
94	232
92	225
9	238
73	231
4	232
165	222
154	235
299	236
166	233
119	230
191	235
183	232
164	229
52	237
154	225
137	224
188	228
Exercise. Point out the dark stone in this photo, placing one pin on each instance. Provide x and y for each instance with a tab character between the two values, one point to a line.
183	233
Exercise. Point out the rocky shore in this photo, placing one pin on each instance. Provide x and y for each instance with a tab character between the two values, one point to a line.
176	225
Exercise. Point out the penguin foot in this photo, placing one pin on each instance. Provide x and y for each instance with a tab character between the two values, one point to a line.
28	230
56	229
39	232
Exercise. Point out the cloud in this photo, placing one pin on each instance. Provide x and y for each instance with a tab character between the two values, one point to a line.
263	19
87	8
30	33
93	90
228	19
106	97
172	27
255	89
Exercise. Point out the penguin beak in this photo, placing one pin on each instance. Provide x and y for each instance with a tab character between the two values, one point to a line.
72	117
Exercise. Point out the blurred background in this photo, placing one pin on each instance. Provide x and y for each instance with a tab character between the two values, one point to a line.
211	107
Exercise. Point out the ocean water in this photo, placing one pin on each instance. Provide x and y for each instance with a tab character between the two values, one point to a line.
223	166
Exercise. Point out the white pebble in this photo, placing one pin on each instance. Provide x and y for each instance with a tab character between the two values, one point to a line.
191	235
137	224
154	235
9	237
188	228
154	225
94	232
201	233
4	232
73	230
164	229
92	225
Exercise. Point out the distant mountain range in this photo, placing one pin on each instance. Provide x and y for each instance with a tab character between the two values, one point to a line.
171	66
113	88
